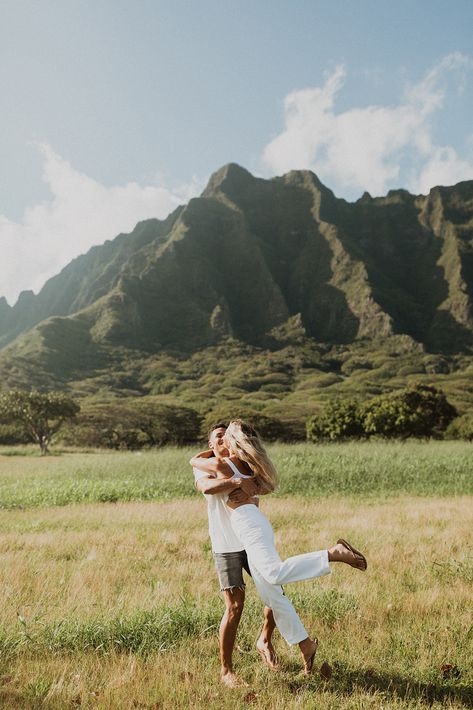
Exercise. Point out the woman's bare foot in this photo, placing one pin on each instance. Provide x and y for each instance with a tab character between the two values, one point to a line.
232	680
308	649
267	653
344	552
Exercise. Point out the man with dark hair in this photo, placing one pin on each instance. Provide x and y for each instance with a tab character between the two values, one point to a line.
230	561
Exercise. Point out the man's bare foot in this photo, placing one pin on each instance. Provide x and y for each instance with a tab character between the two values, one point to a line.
232	680
344	552
308	650
268	654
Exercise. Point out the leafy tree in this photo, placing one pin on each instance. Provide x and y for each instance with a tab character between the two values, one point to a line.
341	419
41	414
420	411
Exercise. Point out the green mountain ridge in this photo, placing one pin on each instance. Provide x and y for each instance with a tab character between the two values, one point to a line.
83	281
269	264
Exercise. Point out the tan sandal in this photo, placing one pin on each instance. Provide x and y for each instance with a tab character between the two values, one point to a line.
356	552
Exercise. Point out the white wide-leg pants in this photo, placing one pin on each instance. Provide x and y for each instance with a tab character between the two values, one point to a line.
268	570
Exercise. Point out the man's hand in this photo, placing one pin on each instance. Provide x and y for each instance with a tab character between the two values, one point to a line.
250	486
246	490
238	496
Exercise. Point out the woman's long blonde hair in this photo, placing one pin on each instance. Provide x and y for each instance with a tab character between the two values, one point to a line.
245	443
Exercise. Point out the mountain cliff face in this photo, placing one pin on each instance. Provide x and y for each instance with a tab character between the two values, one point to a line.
80	283
251	257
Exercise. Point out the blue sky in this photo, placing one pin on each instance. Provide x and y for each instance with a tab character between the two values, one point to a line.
115	110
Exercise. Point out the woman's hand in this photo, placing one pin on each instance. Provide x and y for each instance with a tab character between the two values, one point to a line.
205	461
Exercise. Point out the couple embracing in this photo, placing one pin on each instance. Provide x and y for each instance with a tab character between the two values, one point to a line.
232	474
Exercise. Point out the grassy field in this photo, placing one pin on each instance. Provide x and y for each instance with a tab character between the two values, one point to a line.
116	605
374	470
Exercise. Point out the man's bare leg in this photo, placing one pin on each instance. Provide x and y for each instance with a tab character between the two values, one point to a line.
263	645
234	602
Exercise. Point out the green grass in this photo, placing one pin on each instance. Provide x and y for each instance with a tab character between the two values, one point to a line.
142	631
162	628
371	470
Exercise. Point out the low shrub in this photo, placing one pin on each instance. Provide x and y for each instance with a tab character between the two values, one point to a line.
419	411
341	419
134	425
461	428
269	428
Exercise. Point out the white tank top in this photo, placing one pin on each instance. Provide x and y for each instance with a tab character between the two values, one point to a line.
236	474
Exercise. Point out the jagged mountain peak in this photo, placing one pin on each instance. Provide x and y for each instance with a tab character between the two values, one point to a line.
231	176
250	254
304	178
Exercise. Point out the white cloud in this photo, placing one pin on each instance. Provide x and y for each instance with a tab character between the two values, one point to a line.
365	148
444	167
80	213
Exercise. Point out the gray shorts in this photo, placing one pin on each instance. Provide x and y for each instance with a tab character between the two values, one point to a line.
230	566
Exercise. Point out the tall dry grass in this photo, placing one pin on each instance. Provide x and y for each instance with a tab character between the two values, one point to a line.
117	606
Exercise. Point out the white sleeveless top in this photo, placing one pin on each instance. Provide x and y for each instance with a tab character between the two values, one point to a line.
236	474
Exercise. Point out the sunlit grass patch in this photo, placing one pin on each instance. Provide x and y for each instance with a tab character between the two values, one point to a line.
373	470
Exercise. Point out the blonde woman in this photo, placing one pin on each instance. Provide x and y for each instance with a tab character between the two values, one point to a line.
248	464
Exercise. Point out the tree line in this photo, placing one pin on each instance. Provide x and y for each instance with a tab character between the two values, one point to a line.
31	416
